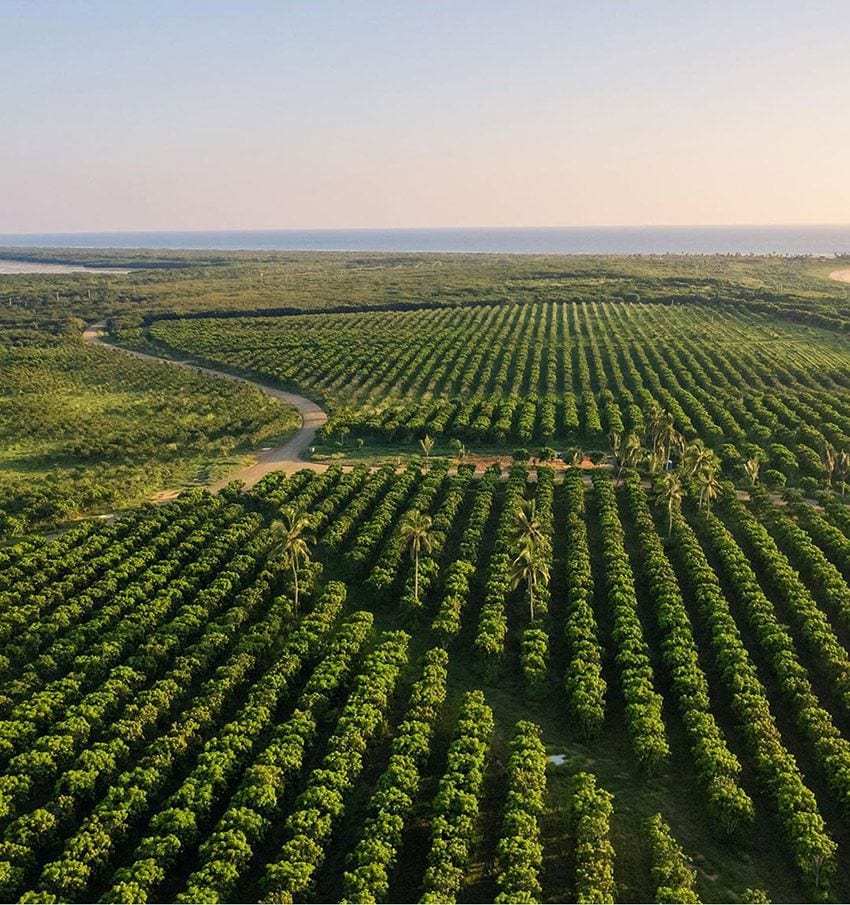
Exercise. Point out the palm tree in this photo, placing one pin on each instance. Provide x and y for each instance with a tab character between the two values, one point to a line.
616	443
842	467
653	461
697	456
663	434
669	494
291	534
655	426
461	453
530	567
751	468
415	531
830	460
526	524
709	486
673	440
577	458
530	564
629	454
427	444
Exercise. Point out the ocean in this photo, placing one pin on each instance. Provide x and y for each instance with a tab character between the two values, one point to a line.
706	240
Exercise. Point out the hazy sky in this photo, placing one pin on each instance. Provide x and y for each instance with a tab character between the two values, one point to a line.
177	114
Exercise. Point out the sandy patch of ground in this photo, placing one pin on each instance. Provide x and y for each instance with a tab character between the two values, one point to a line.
842	276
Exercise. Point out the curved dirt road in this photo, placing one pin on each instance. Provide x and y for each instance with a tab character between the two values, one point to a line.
279	458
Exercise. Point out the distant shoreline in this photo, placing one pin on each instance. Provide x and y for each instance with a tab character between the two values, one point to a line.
816	241
9	267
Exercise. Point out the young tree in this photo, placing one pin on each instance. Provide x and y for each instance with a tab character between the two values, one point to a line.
415	529
427	444
752	468
576	457
669	495
461	452
546	454
291	533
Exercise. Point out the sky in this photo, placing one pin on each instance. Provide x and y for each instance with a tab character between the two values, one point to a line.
182	114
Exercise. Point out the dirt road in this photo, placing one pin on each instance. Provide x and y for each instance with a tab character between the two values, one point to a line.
842	276
287	457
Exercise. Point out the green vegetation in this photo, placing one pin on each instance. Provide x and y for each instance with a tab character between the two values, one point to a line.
176	283
174	727
83	429
593	375
429	680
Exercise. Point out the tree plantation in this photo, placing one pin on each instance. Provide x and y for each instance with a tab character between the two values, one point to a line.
585	374
174	727
554	607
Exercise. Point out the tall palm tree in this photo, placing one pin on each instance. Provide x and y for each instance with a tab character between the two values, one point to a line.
830	460
616	443
630	453
653	461
291	540
673	440
709	486
669	495
696	458
415	531
663	434
526	524
843	467
751	468
655	426
530	567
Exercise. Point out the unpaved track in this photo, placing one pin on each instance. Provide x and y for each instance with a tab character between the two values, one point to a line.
286	458
842	276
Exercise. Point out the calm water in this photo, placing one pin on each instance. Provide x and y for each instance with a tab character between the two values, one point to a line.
785	240
10	267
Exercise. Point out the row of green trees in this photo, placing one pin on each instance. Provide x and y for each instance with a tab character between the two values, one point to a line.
175	830
519	852
318	808
456	804
129	797
371	861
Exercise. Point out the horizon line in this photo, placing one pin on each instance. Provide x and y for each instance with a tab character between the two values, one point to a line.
351	229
